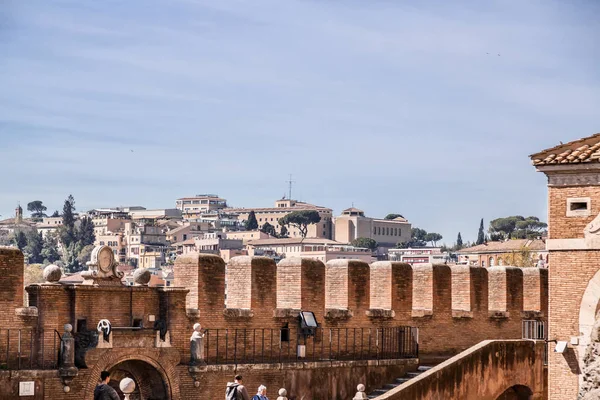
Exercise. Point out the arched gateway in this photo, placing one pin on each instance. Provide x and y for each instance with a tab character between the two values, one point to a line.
150	375
149	382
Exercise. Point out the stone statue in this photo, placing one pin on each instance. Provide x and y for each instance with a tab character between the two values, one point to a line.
360	392
282	394
197	346
67	369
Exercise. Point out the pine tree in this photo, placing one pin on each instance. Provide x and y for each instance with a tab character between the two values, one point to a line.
85	234
481	233
35	243
68	235
459	242
283	233
251	224
20	240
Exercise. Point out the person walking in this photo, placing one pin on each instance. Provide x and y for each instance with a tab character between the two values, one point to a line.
261	394
236	390
103	391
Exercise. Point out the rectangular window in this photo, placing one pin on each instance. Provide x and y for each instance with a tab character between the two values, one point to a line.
578	207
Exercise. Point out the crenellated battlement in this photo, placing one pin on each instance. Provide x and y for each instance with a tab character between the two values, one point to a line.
454	306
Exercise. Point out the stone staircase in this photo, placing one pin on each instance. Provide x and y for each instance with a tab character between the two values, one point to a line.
399	381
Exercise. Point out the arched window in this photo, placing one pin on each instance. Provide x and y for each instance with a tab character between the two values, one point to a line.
491	261
500	262
482	263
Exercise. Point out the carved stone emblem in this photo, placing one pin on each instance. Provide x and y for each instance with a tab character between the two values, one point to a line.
592	233
103	266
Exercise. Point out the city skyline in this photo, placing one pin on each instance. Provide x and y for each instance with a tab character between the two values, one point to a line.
429	111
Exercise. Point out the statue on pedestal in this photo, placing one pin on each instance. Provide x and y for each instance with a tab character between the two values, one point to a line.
197	346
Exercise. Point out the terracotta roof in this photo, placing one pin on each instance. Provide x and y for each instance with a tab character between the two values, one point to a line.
584	150
509	245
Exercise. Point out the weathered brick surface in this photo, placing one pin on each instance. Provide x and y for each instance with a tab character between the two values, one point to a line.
559	225
435	293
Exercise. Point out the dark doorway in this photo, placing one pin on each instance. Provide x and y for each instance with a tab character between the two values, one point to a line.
517	392
148	381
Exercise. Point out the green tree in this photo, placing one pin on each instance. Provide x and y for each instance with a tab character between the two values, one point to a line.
85	254
20	240
393	216
283	232
268	229
417	239
35	244
37	209
433	238
55	214
516	227
523	258
49	253
459	242
67	232
251	224
70	255
301	220
366	243
85	234
480	234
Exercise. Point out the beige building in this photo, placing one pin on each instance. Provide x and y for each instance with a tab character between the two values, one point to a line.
353	224
49	225
318	249
282	208
529	251
195	207
246	236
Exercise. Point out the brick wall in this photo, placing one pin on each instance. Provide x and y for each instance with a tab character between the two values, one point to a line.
11	293
559	225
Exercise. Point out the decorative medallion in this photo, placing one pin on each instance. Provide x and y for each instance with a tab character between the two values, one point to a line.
103	267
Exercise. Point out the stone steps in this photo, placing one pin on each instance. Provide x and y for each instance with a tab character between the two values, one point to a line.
398	381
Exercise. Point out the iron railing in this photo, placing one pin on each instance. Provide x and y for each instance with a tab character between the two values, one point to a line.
28	348
285	345
536	330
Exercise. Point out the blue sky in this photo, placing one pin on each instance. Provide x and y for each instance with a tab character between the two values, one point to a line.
395	106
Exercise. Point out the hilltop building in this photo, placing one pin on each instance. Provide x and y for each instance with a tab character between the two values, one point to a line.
284	207
352	224
195	207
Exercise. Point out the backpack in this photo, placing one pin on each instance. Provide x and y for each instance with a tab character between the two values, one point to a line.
232	393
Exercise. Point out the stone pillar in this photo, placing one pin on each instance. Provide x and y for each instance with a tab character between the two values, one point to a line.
67	369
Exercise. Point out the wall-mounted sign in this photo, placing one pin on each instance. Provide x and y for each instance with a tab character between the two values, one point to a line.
26	388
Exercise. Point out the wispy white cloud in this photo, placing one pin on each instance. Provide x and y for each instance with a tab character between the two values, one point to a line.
383	103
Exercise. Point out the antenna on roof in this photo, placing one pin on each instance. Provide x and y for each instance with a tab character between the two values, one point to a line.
290	190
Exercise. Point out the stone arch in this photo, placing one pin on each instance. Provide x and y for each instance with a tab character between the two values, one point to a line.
516	392
116	363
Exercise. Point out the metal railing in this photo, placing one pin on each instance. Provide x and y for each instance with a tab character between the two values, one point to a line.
536	330
28	348
286	345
